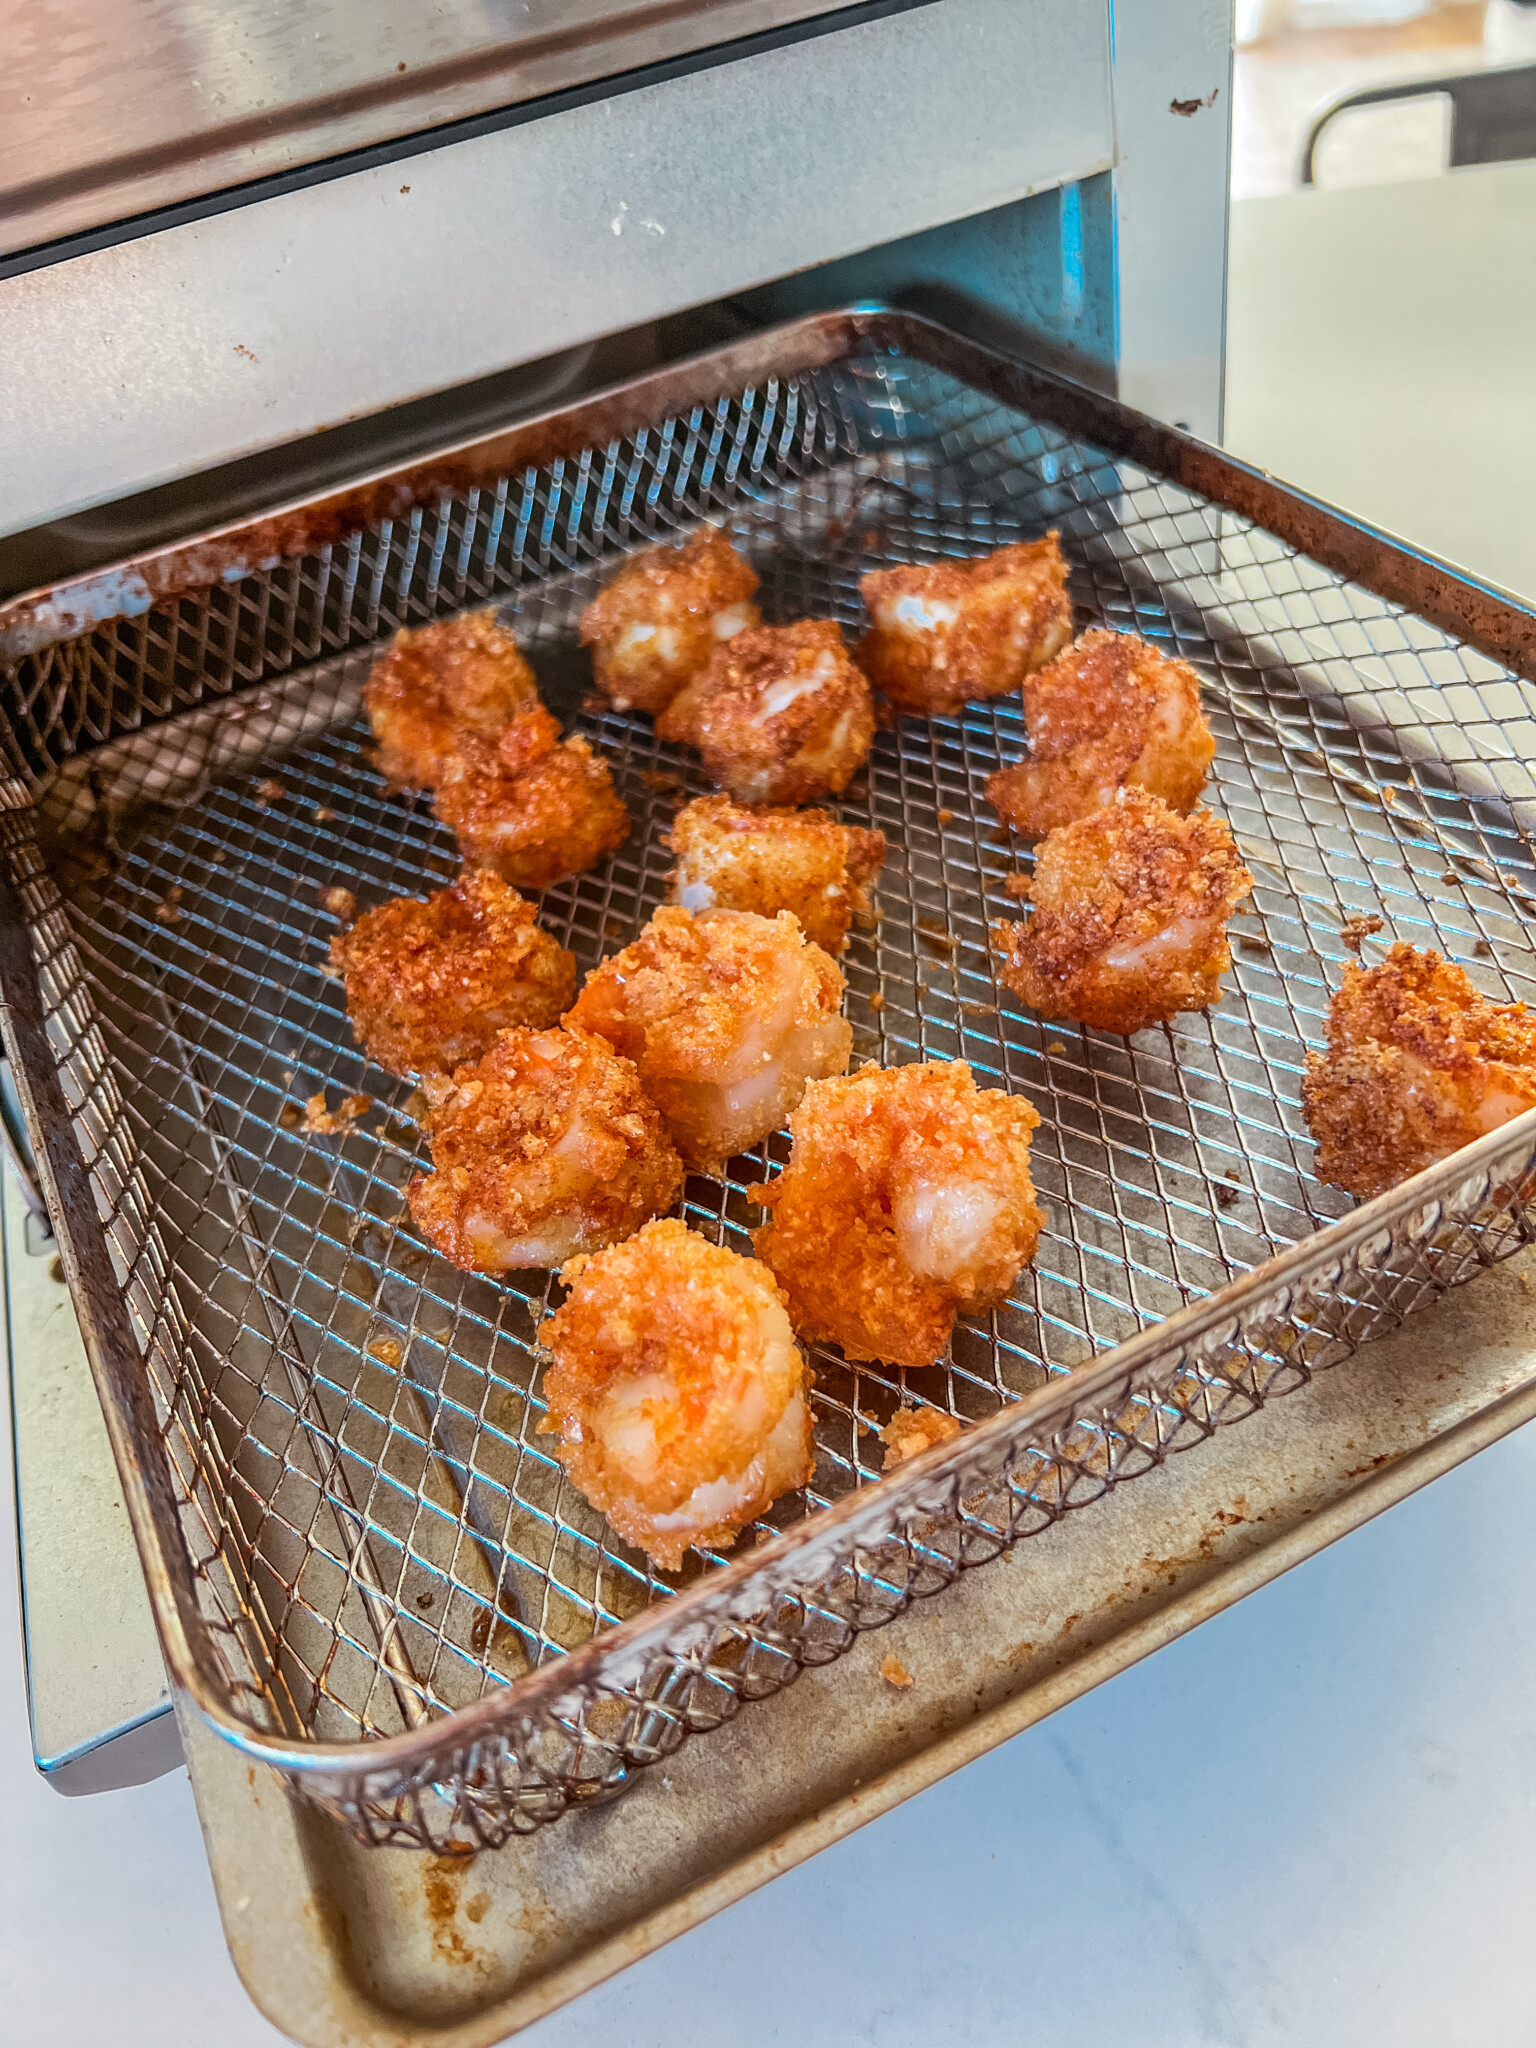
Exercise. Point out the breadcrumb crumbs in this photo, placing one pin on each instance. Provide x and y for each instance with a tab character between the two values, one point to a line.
170	911
386	1350
911	1430
339	902
946	817
322	1122
271	791
1358	929
896	1674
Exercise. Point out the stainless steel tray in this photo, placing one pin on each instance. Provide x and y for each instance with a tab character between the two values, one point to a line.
366	1570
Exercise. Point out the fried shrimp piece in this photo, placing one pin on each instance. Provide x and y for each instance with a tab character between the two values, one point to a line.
781	715
677	1390
726	1015
948	631
431	984
1108	712
557	816
736	858
907	1201
1130	925
449	689
655	626
1418	1065
546	1147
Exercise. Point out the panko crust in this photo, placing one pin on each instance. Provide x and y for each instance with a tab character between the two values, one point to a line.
675	1369
911	1431
441	692
883	1162
546	1146
556	816
1130	914
430	984
1108	712
781	715
656	625
735	857
705	1004
943	633
1418	1065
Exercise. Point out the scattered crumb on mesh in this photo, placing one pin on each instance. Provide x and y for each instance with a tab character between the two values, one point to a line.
1016	885
946	817
1358	929
322	1122
1483	950
217	859
170	911
979	1009
271	791
896	1674
613	928
1450	875
936	938
911	1430
323	814
1226	1194
425	1599
290	1073
1056	1045
1253	942
339	902
386	1350
877	1001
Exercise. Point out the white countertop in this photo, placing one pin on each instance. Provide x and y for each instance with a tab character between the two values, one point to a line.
1311	1822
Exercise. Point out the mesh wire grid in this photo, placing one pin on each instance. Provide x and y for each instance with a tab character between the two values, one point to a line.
377	1533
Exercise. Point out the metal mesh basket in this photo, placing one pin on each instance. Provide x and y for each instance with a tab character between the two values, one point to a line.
368	1567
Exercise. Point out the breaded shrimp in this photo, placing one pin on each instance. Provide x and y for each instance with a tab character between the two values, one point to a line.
805	861
781	715
677	1390
556	816
1130	925
945	632
546	1147
431	984
1418	1065
726	1016
1110	711
655	626
907	1201
447	688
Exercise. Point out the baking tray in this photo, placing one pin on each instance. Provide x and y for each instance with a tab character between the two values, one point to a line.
366	1570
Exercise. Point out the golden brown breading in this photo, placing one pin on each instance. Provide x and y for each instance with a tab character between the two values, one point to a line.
911	1430
655	626
907	1201
430	985
1131	907
545	1147
781	715
944	632
1418	1065
726	1016
448	685
558	816
730	857
677	1390
1108	712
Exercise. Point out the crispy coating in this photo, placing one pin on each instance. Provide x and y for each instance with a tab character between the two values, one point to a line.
732	857
1418	1065
944	632
726	1016
445	688
431	984
655	626
557	816
907	1201
781	715
1130	925
545	1147
1108	712
677	1390
911	1430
